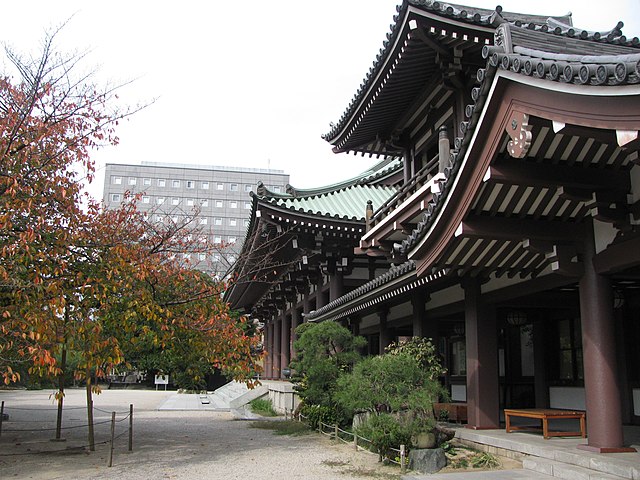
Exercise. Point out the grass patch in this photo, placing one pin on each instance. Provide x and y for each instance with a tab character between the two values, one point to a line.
463	458
283	428
262	406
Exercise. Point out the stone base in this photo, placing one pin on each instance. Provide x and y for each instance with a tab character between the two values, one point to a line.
428	460
590	448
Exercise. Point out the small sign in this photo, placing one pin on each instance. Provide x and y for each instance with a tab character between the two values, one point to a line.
162	380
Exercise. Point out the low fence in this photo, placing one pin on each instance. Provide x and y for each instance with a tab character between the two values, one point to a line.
359	443
36	426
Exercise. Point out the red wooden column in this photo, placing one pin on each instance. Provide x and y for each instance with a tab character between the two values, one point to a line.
602	391
483	403
276	348
295	321
268	367
385	334
285	343
320	298
336	285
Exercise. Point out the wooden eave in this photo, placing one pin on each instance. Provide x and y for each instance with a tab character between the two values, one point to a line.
519	216
408	69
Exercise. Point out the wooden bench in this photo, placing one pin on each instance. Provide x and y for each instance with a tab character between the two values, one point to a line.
546	414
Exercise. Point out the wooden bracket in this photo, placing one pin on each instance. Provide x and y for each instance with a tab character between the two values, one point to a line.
519	130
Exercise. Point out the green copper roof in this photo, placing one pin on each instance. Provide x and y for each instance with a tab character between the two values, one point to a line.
347	203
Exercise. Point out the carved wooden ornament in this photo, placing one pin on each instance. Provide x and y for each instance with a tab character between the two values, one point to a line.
519	130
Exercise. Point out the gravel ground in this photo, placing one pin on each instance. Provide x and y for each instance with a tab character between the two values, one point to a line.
166	445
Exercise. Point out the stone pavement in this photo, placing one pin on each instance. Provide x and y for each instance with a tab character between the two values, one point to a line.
488	475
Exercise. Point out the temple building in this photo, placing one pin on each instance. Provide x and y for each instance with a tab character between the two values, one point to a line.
502	221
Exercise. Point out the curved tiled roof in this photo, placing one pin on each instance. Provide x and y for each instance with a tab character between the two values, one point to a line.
347	203
561	27
386	167
612	67
394	272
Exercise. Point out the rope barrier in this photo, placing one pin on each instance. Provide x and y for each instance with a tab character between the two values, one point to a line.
128	431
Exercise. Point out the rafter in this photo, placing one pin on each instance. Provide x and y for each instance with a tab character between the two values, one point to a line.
518	229
511	172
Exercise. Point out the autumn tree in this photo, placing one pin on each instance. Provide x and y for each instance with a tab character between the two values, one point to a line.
86	280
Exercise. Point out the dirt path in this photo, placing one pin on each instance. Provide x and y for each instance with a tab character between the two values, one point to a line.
167	444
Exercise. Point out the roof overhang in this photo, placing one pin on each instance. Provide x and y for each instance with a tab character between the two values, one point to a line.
576	108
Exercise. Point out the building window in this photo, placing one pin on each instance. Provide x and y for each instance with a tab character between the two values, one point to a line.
115	197
175	183
116	180
217	221
190	202
203	221
233	222
133	180
202	256
216	256
234	187
204	203
246	222
247	205
247	187
205	185
175	218
146	182
233	204
191	184
175	201
218	203
217	239
220	186
232	239
569	351
162	182
157	218
276	188
146	199
160	200
458	358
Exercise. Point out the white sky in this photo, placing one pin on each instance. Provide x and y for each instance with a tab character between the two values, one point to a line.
251	83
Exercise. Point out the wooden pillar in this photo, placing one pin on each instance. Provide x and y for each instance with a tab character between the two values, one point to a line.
355	325
277	322
483	403
306	304
422	325
419	313
319	294
295	321
285	342
268	368
385	334
602	391
336	286
541	385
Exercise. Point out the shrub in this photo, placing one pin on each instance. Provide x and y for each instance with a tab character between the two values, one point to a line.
324	351
321	413
386	432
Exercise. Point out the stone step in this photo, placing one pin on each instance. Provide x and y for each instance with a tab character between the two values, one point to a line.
565	470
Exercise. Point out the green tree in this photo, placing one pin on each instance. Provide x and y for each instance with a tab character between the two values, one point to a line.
324	351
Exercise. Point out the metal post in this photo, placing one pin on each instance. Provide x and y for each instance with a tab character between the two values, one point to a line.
1	416
113	432
403	454
131	427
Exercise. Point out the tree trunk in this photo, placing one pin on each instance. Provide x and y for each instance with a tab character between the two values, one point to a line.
63	366
92	445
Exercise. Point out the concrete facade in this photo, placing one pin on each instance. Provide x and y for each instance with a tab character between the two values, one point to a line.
174	190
